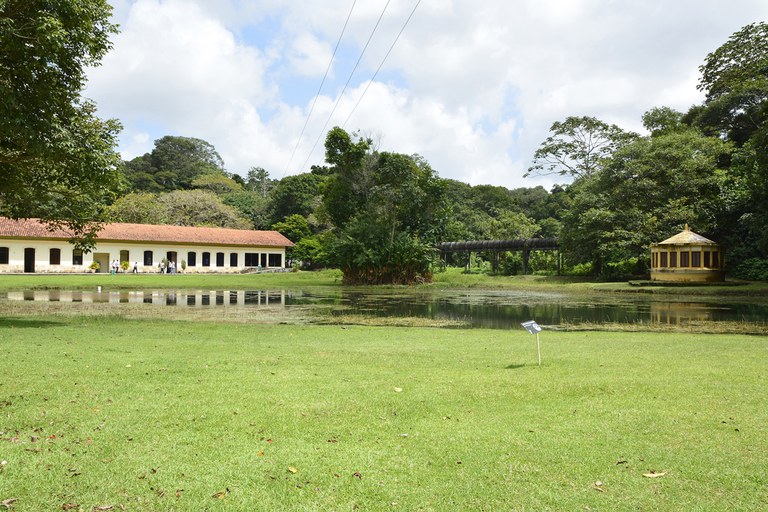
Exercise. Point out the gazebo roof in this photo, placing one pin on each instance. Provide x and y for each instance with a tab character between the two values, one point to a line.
687	237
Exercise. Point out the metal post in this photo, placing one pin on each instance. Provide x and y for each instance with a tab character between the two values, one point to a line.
538	348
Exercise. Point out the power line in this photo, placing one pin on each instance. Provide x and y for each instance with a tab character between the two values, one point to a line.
351	74
327	70
381	64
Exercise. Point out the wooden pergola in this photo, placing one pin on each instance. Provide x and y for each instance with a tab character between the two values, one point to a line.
524	245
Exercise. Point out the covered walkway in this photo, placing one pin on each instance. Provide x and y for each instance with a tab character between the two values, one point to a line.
525	245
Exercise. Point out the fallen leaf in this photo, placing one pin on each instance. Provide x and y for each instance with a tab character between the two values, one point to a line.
260	454
221	494
357	474
398	390
621	461
178	492
103	507
653	474
8	503
598	486
292	469
69	506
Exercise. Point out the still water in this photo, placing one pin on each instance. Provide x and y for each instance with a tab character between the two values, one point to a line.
484	308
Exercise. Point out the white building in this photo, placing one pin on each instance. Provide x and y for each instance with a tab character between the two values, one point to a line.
29	246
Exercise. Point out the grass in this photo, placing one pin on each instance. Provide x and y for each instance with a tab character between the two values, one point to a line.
165	281
177	415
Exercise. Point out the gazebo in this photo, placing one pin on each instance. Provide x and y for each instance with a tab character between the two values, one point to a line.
687	257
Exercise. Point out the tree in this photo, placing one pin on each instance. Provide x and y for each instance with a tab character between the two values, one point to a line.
258	181
388	210
174	164
577	147
57	158
250	205
294	228
137	208
199	208
298	194
735	80
661	120
351	176
216	183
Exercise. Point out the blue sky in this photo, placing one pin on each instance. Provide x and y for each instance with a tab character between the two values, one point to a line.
471	86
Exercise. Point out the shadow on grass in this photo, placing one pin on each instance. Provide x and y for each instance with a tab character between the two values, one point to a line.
26	323
515	366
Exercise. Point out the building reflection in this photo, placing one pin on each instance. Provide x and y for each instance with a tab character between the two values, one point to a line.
191	298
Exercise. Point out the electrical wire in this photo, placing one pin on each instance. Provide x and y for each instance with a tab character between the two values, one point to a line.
381	64
314	102
341	95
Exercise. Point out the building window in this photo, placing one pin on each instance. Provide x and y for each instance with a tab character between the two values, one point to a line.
192	259
715	259
148	258
206	259
663	259
707	259
251	259
275	260
673	259
55	257
233	259
77	257
696	259
219	259
4	256
684	259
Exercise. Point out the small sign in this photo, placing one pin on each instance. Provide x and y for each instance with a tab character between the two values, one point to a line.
531	326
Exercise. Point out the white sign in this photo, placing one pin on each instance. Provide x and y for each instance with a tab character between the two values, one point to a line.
532	327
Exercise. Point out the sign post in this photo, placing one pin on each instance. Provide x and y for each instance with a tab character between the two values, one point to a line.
532	327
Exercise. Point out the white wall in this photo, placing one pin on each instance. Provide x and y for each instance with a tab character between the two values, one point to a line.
135	253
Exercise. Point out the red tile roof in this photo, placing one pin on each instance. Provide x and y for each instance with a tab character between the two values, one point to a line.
118	232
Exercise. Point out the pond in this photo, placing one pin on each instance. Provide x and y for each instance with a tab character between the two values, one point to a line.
500	309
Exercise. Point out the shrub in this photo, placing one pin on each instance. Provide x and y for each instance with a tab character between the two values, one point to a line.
753	269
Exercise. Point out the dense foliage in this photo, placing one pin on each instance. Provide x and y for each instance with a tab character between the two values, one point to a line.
58	160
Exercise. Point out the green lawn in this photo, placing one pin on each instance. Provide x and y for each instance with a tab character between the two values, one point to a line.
131	281
177	415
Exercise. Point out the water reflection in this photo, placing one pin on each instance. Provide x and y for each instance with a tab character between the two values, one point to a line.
490	309
157	297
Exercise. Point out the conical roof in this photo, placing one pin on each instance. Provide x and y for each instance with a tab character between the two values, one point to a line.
688	237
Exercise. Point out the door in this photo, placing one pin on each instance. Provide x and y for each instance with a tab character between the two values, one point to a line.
29	259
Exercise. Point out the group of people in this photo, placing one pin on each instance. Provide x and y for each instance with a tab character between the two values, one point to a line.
164	267
168	267
115	267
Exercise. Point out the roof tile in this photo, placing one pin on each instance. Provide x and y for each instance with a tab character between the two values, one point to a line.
121	232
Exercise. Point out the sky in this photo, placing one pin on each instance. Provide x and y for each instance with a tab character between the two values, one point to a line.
473	86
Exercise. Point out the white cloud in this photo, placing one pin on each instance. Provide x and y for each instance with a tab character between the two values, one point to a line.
310	56
473	87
